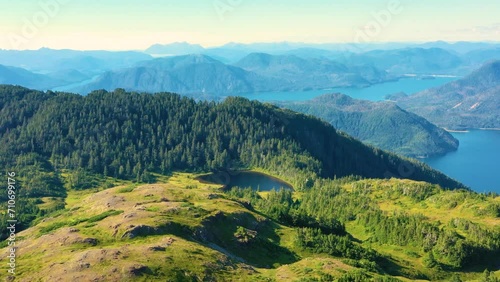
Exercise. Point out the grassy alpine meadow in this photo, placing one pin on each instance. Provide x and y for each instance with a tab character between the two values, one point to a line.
179	229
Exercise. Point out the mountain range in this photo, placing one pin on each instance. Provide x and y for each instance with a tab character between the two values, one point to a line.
329	152
312	73
295	66
87	62
174	49
381	124
190	74
257	72
409	60
400	58
470	102
19	76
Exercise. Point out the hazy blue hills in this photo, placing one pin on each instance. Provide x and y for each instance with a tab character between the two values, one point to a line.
88	62
312	72
382	124
471	102
68	75
183	74
19	76
201	74
241	68
233	52
429	58
460	47
483	55
408	60
174	49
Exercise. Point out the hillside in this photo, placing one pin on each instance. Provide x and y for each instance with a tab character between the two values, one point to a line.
381	124
257	72
471	102
87	62
127	134
190	74
174	49
409	60
181	230
19	76
100	196
312	72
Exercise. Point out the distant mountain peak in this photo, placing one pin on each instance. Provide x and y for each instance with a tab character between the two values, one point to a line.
484	78
491	68
173	49
185	59
470	102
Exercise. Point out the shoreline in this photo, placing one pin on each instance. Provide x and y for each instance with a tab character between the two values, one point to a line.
469	130
205	178
455	131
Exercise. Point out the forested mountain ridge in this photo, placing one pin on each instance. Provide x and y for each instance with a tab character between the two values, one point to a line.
293	67
128	134
471	102
312	73
81	162
381	124
258	72
189	74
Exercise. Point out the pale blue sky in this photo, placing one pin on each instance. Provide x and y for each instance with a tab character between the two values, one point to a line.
136	24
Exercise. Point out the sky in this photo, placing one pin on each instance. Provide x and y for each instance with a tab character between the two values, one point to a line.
137	24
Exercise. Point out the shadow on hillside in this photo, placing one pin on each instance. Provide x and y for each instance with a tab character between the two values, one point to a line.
243	237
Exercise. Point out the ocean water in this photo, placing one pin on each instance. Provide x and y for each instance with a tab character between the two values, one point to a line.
373	93
476	163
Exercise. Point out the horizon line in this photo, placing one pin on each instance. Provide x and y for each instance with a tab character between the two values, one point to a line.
265	42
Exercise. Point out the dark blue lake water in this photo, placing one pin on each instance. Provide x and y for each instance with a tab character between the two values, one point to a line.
476	163
245	179
258	181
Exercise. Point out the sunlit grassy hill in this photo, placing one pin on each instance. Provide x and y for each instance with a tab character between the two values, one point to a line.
179	229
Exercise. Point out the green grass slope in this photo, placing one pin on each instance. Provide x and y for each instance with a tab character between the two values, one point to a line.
179	229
